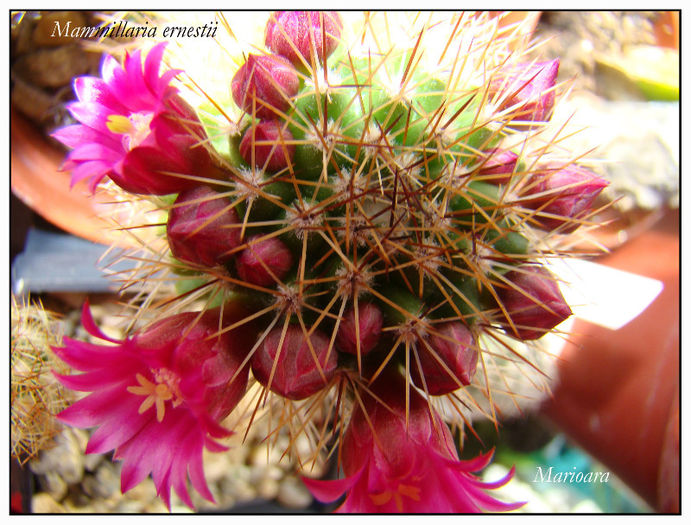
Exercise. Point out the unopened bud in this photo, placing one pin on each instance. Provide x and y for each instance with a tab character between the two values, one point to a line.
264	262
297	35
365	330
528	89
269	145
450	343
264	85
501	165
534	303
301	366
202	227
561	196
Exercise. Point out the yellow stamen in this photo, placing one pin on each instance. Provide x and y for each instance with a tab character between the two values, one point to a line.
134	128
409	491
119	124
157	393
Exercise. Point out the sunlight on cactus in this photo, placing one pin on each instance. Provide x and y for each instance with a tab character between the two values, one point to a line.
36	397
363	220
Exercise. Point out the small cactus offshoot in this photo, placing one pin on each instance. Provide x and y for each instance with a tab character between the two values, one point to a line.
369	213
35	396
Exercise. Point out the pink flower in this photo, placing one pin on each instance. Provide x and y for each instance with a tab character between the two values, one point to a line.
391	468
534	303
264	85
528	89
297	35
269	144
202	227
134	129
452	344
561	195
264	262
157	398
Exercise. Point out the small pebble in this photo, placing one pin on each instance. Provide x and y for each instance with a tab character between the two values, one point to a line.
52	67
43	503
267	488
108	480
293	494
92	461
53	484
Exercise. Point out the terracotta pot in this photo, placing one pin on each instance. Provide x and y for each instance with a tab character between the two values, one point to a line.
618	391
37	180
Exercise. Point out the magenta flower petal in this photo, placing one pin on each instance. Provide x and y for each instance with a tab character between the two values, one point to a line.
331	490
96	90
87	412
93	150
91	114
81	355
84	382
120	429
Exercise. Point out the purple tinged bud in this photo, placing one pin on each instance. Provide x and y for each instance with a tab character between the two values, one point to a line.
367	329
561	196
264	262
202	227
535	305
296	374
529	88
295	34
265	84
454	345
272	144
500	162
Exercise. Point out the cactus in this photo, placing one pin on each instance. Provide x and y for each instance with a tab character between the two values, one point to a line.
378	214
35	395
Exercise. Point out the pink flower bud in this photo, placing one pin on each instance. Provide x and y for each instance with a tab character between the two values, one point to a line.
562	195
270	143
367	329
454	346
264	262
202	227
500	162
296	373
528	89
295	34
265	84
534	304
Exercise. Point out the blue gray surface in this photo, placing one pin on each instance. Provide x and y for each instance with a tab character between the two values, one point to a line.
53	262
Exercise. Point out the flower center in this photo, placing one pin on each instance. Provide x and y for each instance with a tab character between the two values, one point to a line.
164	389
409	491
134	129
